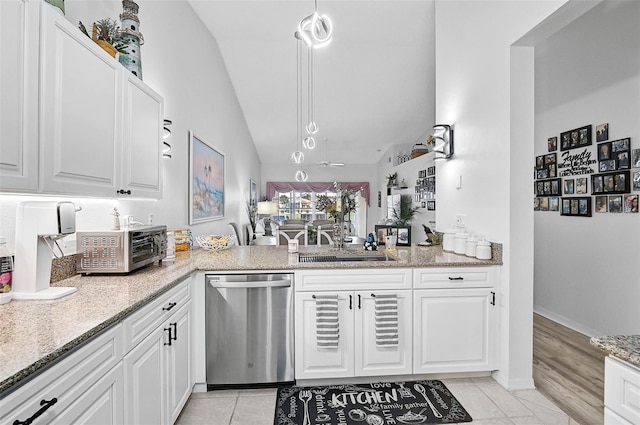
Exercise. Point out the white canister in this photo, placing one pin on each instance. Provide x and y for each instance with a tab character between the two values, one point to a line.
171	246
470	246
483	250
447	240
460	242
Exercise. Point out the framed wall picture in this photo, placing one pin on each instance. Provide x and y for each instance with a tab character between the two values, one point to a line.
548	187
602	132
552	144
577	207
431	205
206	181
617	182
602	204
576	138
253	194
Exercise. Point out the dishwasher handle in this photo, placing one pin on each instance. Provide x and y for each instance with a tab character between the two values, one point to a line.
254	284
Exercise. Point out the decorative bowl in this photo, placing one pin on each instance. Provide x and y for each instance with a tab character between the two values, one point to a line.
216	243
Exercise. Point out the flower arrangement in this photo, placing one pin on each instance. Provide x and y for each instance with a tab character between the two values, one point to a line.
106	31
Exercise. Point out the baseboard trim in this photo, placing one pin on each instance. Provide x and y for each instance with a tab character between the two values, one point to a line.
566	322
513	384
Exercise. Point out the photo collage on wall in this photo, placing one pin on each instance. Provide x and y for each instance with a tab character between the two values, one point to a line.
562	183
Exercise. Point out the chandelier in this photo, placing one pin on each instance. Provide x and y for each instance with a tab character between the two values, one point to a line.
314	31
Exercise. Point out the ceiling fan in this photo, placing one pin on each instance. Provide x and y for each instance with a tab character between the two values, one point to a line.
325	163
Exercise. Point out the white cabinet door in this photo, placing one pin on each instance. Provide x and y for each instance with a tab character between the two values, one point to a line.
18	91
80	111
144	378
177	363
311	361
100	404
374	360
142	139
453	330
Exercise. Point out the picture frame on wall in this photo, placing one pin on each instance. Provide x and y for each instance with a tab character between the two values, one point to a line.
431	205
547	187
602	203
568	186
630	204
552	144
206	181
604	151
635	158
581	185
615	204
636	180
544	203
602	132
553	203
576	206
611	183
253	194
576	138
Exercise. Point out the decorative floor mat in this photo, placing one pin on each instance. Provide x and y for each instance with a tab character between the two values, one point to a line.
382	403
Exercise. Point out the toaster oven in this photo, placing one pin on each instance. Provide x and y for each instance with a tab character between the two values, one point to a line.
120	251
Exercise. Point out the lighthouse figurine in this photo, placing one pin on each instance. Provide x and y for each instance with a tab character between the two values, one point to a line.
130	30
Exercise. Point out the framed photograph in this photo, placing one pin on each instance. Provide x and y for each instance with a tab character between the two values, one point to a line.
615	204
253	194
206	181
552	144
547	187
622	160
602	132
581	185
553	203
575	138
620	145
431	205
608	165
611	183
635	157
382	231
536	204
602	204
636	180
604	151
630	204
544	203
576	207
568	186
404	235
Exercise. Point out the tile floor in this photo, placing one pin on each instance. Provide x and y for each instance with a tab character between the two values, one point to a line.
487	402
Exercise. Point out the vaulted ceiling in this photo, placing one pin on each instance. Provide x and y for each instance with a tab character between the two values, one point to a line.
374	84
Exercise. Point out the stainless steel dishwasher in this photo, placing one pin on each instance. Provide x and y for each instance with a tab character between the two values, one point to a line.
249	329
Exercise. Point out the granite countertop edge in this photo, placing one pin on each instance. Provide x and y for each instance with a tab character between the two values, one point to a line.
624	347
200	260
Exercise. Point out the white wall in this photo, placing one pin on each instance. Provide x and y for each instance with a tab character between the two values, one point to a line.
182	62
585	268
473	93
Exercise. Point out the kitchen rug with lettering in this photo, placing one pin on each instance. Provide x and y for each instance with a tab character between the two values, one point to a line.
383	403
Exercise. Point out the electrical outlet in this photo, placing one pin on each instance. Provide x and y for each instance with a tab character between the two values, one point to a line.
150	219
461	220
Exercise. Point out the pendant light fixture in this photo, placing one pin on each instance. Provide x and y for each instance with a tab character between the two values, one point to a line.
315	30
298	157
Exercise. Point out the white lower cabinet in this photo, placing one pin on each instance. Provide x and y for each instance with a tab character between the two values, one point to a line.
158	369
357	353
621	392
86	387
453	330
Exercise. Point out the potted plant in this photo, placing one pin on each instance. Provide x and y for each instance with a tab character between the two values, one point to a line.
406	213
106	33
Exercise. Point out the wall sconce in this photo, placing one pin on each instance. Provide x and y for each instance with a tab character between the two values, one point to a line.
166	150
443	134
268	209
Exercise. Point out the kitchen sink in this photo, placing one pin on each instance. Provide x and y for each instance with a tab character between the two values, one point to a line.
322	258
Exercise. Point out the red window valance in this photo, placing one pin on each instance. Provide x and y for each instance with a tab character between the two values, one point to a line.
273	187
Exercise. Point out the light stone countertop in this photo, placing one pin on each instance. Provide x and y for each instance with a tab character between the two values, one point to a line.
33	334
624	347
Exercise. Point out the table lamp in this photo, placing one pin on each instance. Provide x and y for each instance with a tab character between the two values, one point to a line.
267	208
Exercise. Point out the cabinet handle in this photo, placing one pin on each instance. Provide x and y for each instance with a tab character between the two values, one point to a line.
456	278
170	337
123	192
45	405
171	305
359	302
175	330
350	302
493	298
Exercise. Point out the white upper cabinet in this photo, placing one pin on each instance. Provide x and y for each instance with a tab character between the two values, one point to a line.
99	126
18	143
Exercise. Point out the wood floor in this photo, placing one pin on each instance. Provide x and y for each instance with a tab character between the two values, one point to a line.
568	370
